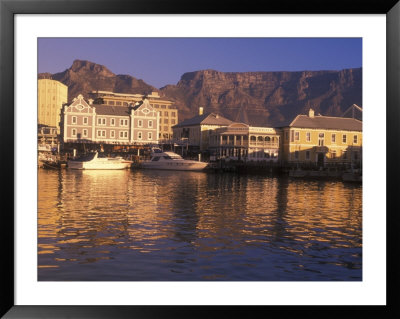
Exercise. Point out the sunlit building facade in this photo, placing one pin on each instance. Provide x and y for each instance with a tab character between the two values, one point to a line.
86	122
51	97
196	131
168	113
322	140
244	142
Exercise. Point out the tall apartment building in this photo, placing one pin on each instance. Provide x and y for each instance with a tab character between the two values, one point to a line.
51	97
168	114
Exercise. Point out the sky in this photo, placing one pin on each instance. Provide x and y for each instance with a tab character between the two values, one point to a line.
162	61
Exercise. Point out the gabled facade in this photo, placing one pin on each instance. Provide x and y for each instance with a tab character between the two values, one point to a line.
196	131
144	123
168	113
84	122
321	140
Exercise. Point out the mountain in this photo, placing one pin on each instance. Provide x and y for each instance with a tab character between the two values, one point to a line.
257	98
84	76
267	98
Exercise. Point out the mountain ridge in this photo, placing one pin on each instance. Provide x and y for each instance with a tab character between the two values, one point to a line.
256	98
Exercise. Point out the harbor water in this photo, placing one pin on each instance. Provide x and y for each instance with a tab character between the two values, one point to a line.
153	225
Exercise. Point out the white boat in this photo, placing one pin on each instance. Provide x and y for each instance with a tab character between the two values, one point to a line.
172	161
93	161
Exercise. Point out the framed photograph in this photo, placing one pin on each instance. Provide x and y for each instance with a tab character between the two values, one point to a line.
165	159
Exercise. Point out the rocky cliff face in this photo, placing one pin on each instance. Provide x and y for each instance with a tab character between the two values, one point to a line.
257	98
84	76
267	98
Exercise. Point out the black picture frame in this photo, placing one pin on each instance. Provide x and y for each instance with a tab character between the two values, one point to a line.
8	10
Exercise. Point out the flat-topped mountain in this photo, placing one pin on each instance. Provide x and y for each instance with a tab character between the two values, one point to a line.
257	98
267	97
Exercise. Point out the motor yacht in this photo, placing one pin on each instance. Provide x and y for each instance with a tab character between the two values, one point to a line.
172	161
94	161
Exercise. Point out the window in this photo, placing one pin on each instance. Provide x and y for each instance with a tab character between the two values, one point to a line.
149	135
110	102
112	122
296	154
165	128
355	139
101	121
307	155
85	121
85	133
101	133
173	114
287	136
74	120
73	132
140	123
333	138
166	113
112	133
123	122
297	136
292	136
139	135
150	123
119	103
333	154
172	121
321	137
344	140
165	121
123	134
163	106
308	136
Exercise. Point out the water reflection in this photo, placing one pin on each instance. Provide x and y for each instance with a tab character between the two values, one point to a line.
161	225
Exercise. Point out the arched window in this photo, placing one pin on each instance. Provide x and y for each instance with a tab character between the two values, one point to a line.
260	139
253	138
267	139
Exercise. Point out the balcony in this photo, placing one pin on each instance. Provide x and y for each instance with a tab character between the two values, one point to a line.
264	144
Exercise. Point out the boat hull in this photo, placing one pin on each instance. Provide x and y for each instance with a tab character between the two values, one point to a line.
99	164
176	166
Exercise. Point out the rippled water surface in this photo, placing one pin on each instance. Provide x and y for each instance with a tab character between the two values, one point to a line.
191	226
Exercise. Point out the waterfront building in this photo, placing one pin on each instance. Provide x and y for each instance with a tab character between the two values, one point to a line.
240	141
47	137
321	140
195	132
51	97
168	113
86	122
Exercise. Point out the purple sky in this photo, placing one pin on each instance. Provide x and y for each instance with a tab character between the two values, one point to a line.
162	61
